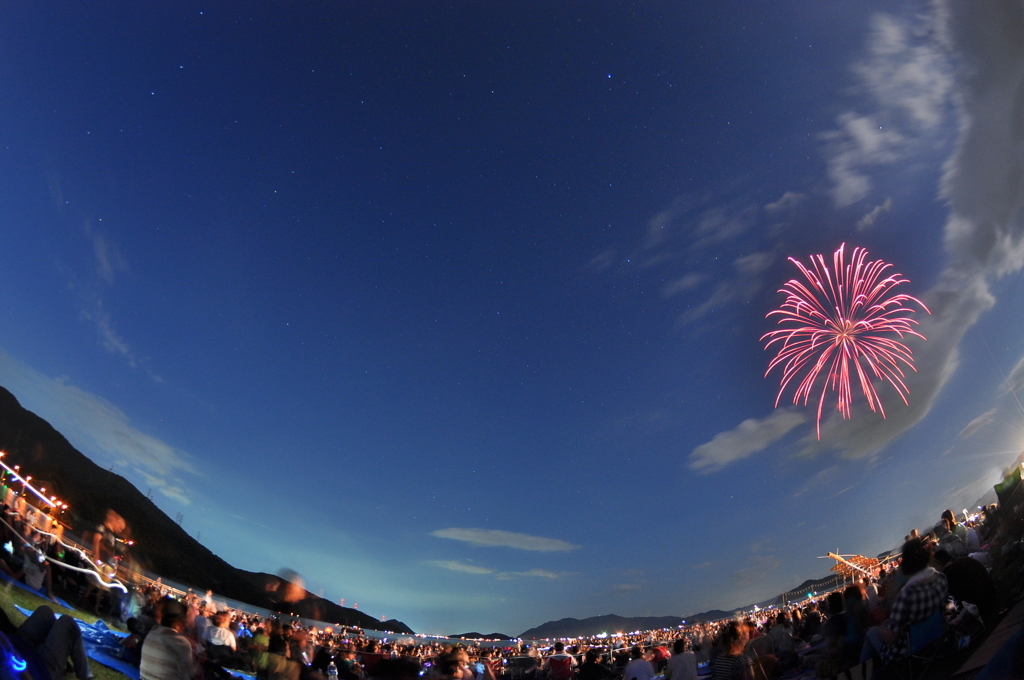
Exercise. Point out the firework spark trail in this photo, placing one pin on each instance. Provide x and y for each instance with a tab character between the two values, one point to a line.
841	319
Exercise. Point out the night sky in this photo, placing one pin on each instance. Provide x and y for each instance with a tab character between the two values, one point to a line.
455	308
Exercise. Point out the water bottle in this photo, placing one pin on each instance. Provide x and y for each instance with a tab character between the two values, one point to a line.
332	671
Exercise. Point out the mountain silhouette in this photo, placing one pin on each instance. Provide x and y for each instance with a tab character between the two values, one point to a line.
161	545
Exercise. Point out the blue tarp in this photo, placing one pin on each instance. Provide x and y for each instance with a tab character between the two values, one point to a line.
102	644
40	593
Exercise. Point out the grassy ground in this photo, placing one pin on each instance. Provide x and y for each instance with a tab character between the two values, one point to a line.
12	595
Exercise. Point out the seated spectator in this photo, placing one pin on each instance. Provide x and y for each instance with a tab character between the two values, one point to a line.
220	642
593	669
758	645
828	661
132	644
349	668
681	666
559	666
857	613
923	594
638	667
812	623
957	528
202	620
258	649
399	669
321	660
701	653
659	658
949	541
370	657
218	634
166	652
46	641
782	633
731	664
871	592
969	581
796	618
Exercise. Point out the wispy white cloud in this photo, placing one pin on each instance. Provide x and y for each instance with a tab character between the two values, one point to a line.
467	568
1015	381
956	304
981	184
744	283
98	428
166	488
603	261
986	418
94	313
749	437
109	263
984	233
689	224
908	77
532	573
681	284
788	201
819	480
463	567
860	142
872	215
907	70
108	258
623	588
493	538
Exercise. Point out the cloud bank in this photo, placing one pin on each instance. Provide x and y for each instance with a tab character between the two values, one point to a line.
749	437
982	184
907	74
98	428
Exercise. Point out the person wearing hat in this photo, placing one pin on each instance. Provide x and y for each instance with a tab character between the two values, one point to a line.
166	652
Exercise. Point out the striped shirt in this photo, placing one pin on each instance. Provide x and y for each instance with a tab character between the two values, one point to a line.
166	655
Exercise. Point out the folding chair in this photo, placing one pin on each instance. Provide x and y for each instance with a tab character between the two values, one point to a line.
927	640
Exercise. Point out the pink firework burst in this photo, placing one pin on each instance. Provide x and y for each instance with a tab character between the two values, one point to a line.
843	321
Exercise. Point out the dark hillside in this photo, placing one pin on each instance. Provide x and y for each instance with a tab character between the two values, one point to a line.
161	545
310	606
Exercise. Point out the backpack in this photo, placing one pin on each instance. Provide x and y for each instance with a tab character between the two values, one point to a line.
560	668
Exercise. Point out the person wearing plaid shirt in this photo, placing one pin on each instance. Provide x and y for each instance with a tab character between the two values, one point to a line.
923	594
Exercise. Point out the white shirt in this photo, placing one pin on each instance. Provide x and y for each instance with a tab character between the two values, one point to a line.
215	635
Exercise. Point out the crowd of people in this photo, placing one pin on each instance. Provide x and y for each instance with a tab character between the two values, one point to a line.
961	572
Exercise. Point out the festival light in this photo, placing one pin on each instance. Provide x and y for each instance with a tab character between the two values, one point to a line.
840	318
25	483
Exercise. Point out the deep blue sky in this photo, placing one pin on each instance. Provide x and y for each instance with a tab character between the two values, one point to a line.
454	309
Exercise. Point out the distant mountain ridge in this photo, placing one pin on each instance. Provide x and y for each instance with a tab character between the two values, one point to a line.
480	636
161	544
595	625
612	623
